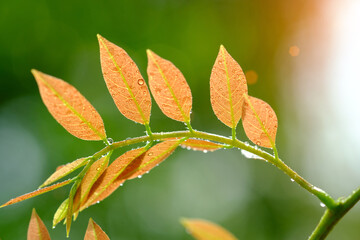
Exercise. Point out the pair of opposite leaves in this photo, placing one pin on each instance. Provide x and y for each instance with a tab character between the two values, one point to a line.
198	228
228	91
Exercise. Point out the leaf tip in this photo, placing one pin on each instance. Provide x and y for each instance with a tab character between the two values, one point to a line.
183	221
149	53
35	73
222	48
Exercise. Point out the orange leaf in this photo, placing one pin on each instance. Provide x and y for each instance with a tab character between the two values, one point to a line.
227	87
94	232
169	88
260	122
200	145
37	229
205	230
70	108
94	172
130	165
109	181
36	193
65	170
125	83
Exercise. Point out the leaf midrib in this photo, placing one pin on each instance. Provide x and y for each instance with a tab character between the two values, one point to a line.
76	113
125	82
169	87
229	89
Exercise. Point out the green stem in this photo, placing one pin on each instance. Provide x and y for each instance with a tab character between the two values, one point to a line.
332	216
148	130
233	133
322	195
335	209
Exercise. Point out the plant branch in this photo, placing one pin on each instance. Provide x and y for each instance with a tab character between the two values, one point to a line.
322	195
332	216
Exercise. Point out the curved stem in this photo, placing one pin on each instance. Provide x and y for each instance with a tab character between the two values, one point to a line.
335	209
322	195
332	216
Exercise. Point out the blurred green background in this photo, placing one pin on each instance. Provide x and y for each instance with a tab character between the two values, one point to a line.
250	198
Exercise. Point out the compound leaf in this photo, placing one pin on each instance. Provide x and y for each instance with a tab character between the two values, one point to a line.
205	230
70	108
94	232
64	170
36	193
260	122
227	87
37	229
125	83
169	88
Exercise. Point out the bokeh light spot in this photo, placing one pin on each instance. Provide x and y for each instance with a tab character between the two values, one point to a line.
251	77
294	51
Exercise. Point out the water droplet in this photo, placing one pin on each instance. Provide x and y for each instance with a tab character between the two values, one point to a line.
110	141
205	151
141	82
98	169
147	171
258	142
53	227
98	202
150	154
140	176
121	184
292	180
322	204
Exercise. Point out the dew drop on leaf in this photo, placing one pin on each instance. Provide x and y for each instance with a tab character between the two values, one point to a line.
322	204
141	82
292	180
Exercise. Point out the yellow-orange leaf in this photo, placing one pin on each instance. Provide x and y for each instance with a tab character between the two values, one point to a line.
227	87
130	165
94	232
36	193
70	108
205	230
169	88
65	170
37	229
60	213
89	179
125	83
109	181
200	145
260	122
